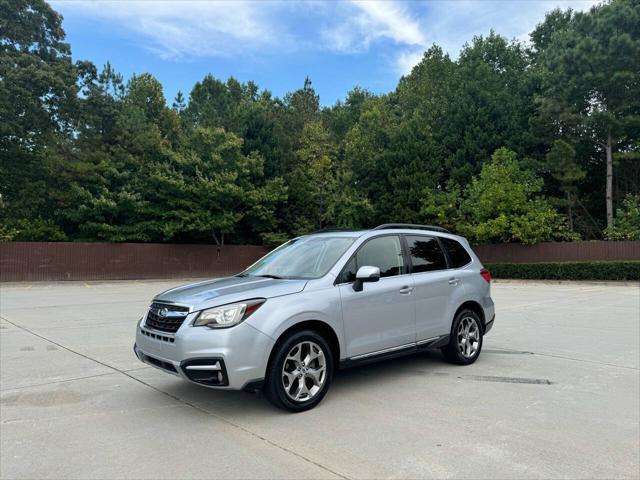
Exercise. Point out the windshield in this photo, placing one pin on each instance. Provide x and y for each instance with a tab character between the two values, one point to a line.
305	258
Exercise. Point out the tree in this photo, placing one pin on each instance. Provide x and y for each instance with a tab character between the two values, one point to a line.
213	103
441	206
627	225
89	155
489	107
346	208
304	103
340	118
566	171
366	147
108	198
311	180
590	63
179	103
222	191
37	106
154	182
503	204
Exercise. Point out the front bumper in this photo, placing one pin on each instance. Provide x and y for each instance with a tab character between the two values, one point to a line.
230	358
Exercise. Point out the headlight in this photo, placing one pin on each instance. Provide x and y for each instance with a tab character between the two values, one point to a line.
227	315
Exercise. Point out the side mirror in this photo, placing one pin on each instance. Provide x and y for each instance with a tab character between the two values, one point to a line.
365	274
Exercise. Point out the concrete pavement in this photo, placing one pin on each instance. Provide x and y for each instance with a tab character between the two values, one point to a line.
555	393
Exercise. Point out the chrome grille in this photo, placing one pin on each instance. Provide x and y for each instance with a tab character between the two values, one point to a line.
166	317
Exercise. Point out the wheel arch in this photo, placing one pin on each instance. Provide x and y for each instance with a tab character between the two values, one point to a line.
318	326
474	307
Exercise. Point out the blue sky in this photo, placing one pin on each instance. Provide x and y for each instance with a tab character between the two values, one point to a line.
277	43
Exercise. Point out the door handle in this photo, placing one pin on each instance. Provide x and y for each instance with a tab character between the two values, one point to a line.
454	281
406	290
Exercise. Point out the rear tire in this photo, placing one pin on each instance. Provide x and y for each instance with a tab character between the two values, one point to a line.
300	372
465	341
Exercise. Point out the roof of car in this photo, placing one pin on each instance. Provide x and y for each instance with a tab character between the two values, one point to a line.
394	227
337	233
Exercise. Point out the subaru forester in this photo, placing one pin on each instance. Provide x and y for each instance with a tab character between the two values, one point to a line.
318	303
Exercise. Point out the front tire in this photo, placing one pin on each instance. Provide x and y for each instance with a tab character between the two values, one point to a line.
300	372
465	341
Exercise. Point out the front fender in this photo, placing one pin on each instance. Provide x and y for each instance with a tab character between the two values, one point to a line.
279	314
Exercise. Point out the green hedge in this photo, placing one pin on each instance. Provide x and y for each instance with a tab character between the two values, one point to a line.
567	270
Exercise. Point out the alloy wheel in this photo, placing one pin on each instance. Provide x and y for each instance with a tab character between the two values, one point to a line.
304	371
468	337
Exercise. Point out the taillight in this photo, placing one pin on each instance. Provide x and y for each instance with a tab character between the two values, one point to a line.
486	275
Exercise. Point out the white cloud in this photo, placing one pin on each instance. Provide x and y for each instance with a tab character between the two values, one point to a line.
186	29
190	28
360	23
406	60
393	21
451	24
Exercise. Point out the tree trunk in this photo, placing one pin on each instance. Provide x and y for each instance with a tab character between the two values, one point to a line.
570	213
609	181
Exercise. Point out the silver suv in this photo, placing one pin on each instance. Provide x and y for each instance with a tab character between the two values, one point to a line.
318	303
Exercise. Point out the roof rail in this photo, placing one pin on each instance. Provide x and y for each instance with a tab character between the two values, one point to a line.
386	226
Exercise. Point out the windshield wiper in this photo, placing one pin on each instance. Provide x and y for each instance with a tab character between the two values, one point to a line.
270	276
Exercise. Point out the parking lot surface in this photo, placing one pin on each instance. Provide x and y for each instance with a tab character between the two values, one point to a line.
555	394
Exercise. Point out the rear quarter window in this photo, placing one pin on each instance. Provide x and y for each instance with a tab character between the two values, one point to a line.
457	253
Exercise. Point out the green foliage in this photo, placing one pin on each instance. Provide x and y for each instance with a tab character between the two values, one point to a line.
627	225
561	161
502	204
311	180
272	239
566	270
442	206
37	103
590	63
346	208
492	106
587	64
31	230
487	144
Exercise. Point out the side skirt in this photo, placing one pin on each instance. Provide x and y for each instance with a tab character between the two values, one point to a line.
428	344
439	342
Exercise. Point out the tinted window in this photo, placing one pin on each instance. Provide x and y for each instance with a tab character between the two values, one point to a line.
382	252
426	254
457	253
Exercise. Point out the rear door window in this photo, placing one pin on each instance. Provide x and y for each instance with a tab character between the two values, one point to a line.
426	254
457	253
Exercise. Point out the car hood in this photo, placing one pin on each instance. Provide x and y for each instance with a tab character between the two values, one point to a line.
211	293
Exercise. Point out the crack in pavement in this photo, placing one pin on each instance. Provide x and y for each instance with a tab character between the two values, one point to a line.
499	350
185	402
78	325
33	385
66	305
